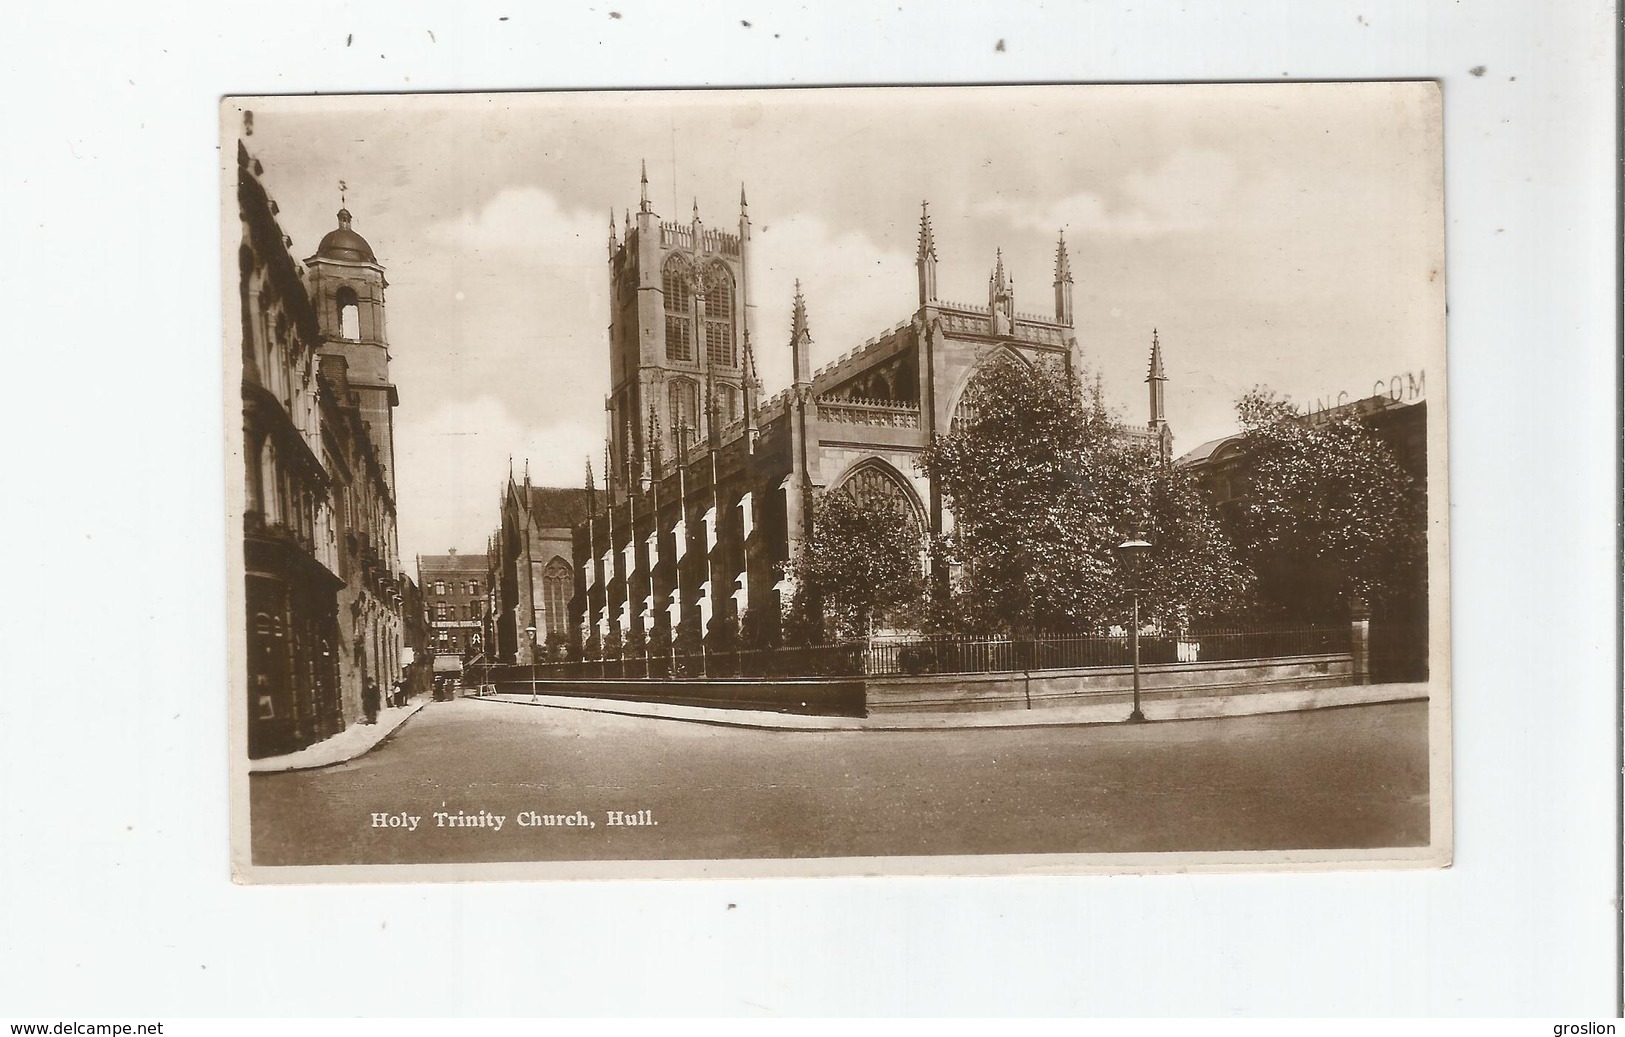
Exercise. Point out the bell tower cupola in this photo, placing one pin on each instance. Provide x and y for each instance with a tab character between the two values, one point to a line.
347	290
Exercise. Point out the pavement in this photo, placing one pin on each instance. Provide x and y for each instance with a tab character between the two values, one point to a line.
346	745
1196	708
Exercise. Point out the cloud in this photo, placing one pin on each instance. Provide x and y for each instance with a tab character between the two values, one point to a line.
854	290
1190	191
452	463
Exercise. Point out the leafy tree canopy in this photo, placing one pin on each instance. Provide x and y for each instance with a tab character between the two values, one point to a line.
1043	486
1327	513
861	564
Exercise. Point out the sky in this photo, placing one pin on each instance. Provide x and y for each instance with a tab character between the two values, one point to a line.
1285	235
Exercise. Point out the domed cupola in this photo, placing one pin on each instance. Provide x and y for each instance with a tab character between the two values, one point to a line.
346	244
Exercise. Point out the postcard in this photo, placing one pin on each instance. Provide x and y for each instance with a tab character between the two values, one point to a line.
960	480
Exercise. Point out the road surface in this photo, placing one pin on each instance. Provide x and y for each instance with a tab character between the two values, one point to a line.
1352	777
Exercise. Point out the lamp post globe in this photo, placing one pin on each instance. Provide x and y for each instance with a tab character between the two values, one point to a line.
1131	554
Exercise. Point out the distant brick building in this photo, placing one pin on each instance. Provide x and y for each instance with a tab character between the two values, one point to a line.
456	597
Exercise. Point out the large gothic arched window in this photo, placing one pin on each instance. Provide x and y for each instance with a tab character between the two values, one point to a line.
873	481
674	283
965	409
719	316
557	584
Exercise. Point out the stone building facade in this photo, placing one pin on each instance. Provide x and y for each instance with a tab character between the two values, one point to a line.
709	487
533	570
321	570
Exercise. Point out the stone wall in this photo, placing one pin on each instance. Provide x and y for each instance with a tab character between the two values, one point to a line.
939	693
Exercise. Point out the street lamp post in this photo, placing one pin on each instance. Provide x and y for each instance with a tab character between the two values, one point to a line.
531	633
1132	554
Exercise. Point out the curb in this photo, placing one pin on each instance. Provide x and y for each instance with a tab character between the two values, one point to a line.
1295	701
313	759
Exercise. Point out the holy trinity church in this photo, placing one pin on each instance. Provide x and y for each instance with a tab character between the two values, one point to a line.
708	484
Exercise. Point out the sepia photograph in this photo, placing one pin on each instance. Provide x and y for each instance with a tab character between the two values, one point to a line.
904	480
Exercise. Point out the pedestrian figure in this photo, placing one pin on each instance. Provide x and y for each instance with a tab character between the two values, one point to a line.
400	691
369	700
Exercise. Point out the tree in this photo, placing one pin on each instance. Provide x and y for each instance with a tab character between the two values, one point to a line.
861	564
1043	486
1327	514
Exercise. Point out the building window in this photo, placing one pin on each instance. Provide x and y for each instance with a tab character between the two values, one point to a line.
440	586
349	315
682	401
557	585
873	484
679	339
474	587
719	343
719	316
674	283
440	611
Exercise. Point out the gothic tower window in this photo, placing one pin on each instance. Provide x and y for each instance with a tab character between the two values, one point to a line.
674	282
349	315
719	316
557	581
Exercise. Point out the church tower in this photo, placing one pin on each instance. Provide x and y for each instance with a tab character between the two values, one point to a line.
678	338
347	289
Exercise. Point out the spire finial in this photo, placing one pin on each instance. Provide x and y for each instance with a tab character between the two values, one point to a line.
1063	262
643	186
928	244
696	208
743	205
343	190
998	269
1155	373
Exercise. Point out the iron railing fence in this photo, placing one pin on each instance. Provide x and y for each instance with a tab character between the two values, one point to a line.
941	655
839	660
1080	651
